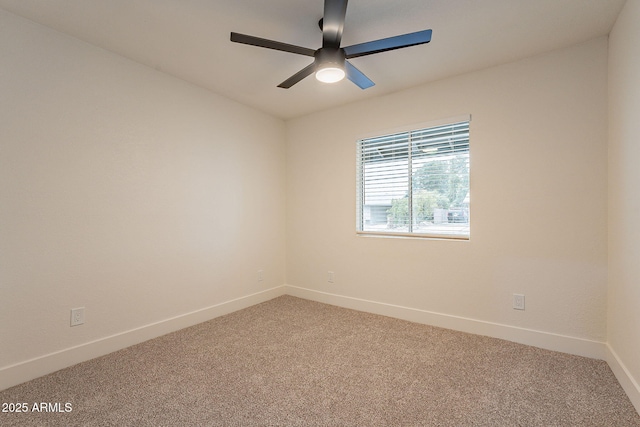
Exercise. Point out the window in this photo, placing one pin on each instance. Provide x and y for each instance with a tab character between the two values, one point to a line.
415	183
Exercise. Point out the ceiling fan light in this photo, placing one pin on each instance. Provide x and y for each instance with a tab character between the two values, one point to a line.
330	74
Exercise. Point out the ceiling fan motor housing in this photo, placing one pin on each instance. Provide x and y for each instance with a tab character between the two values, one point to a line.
330	57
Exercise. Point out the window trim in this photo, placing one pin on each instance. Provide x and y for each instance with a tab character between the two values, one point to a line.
360	188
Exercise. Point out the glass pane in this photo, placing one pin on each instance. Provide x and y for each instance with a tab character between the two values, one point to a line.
440	195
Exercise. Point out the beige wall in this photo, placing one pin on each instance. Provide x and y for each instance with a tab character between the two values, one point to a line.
126	191
624	193
538	198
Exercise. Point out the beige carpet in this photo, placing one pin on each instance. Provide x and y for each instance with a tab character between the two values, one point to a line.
295	362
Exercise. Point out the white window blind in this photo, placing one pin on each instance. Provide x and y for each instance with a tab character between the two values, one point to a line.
415	183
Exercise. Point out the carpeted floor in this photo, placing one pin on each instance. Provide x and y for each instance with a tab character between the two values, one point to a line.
290	361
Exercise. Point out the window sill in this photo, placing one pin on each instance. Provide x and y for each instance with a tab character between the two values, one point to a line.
391	235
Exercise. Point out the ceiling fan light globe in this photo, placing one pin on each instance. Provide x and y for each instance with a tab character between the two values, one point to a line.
330	74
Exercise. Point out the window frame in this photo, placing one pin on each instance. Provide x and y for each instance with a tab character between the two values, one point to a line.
360	188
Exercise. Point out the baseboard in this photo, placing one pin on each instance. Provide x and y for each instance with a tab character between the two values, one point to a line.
39	366
626	380
546	340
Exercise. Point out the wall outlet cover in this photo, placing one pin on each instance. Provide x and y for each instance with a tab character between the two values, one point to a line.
518	302
77	316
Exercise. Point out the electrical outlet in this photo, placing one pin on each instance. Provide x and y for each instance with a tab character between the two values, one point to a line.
331	277
518	302
77	316
260	275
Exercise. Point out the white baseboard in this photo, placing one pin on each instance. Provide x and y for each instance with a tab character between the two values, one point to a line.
39	366
626	380
46	364
546	340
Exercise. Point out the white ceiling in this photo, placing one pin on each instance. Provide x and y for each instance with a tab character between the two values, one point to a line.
189	39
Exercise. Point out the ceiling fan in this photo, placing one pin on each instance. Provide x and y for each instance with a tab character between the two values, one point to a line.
330	62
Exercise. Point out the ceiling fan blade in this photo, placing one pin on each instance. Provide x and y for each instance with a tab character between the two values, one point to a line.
306	71
357	76
271	44
391	43
333	22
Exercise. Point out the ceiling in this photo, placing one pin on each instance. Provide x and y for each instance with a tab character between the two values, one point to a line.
189	39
